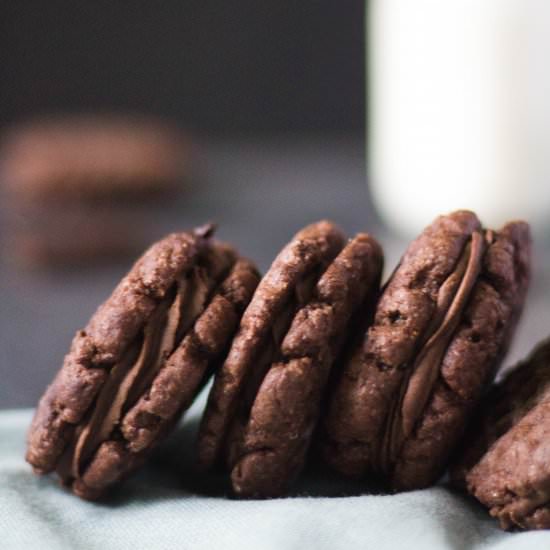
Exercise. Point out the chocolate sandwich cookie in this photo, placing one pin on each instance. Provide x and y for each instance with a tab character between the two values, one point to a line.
442	325
504	460
266	398
79	189
140	361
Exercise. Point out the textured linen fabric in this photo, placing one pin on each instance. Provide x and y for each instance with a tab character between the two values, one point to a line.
168	506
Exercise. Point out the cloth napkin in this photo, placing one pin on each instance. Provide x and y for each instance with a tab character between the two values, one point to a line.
169	506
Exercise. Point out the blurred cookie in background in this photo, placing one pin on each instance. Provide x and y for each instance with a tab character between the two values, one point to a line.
79	188
93	157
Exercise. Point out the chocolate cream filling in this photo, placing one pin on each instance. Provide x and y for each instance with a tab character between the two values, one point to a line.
131	376
416	388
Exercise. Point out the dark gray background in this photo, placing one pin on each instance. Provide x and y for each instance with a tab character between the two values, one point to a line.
223	67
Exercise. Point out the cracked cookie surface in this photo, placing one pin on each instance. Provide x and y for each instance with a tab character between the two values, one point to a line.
120	389
441	326
504	459
266	399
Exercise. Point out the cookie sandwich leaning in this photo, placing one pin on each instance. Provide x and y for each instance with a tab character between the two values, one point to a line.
442	325
140	361
267	397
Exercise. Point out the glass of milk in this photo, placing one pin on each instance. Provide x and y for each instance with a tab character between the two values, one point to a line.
459	110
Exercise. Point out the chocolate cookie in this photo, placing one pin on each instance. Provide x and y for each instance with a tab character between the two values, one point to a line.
504	460
266	398
442	325
140	361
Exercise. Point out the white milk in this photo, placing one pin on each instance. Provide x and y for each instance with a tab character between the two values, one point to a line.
459	109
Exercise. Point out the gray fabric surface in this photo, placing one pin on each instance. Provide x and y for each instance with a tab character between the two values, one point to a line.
167	506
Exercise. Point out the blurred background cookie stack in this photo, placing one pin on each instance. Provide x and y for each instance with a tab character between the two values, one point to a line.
79	189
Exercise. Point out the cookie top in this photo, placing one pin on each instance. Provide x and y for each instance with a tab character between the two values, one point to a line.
269	444
91	157
113	374
503	457
289	280
404	396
